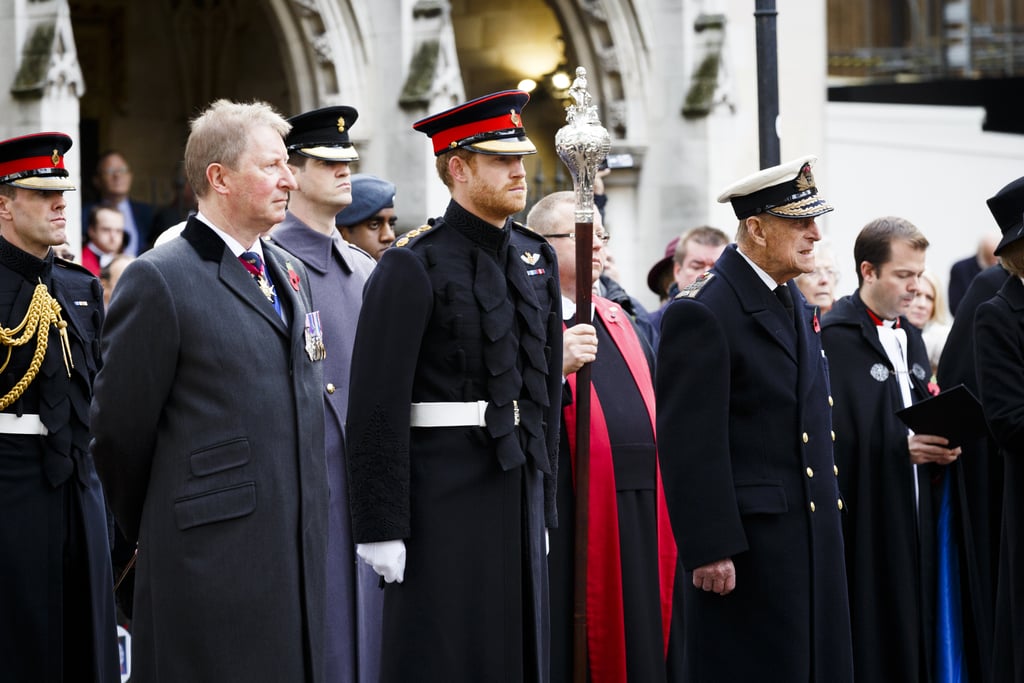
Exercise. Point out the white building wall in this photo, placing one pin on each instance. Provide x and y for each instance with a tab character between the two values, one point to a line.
931	165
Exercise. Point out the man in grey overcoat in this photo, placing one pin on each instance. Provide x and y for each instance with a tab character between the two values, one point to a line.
319	153
208	425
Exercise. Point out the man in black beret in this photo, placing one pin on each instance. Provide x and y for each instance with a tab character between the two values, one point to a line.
56	591
369	221
453	416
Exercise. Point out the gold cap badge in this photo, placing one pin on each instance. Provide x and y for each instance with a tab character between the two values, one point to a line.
55	158
517	120
341	124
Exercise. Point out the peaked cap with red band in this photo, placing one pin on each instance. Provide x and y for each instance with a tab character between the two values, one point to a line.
491	124
36	162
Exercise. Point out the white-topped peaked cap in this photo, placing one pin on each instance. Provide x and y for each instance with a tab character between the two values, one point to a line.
786	190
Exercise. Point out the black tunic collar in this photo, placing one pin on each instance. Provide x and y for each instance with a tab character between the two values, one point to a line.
480	232
28	266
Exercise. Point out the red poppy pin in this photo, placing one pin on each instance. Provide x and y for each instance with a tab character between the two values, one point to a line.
815	322
933	388
293	277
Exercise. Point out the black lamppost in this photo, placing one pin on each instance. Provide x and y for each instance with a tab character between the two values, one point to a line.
767	82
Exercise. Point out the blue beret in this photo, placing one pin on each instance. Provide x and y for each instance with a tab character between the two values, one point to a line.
370	194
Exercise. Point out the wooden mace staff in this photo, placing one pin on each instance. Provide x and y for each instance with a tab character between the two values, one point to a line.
582	143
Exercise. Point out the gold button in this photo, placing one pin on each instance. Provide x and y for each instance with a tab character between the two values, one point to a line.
833	436
835	468
830	402
806	438
810	473
839	503
330	388
812	506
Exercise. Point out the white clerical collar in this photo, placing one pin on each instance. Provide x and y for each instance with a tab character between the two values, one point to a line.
569	308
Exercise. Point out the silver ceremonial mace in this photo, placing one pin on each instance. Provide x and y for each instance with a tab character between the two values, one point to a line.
582	143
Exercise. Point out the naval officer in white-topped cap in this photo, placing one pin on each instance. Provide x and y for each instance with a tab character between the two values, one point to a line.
745	443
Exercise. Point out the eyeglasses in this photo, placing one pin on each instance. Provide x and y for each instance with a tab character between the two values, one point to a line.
602	236
119	170
819	273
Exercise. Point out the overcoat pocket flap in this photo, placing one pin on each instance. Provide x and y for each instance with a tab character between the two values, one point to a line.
215	506
761	498
219	457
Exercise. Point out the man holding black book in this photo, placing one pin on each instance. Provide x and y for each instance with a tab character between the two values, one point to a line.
879	365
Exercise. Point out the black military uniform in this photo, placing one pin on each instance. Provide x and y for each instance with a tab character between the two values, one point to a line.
745	446
461	320
56	588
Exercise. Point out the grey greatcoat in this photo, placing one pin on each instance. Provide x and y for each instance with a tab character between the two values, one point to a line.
208	435
337	272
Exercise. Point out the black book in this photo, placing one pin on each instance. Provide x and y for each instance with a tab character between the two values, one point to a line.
954	413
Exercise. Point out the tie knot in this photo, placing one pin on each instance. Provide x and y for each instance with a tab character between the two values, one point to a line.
785	296
252	258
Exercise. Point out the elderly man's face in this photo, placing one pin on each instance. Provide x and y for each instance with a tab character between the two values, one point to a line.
789	246
260	184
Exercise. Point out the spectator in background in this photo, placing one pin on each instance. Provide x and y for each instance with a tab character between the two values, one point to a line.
182	205
659	277
927	313
113	181
105	233
111	273
963	271
819	285
369	221
695	253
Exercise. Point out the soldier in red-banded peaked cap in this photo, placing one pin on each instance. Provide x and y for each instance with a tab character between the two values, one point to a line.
492	124
36	162
59	616
451	445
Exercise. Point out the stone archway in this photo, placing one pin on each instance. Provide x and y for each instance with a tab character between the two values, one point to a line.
150	67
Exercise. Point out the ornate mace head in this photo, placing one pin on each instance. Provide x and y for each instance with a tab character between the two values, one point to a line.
582	144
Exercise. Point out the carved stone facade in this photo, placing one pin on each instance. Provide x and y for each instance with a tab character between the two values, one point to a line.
148	67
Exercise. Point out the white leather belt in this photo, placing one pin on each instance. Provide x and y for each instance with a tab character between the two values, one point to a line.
26	424
453	414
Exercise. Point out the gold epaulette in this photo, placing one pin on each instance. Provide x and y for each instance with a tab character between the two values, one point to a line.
691	290
404	239
43	311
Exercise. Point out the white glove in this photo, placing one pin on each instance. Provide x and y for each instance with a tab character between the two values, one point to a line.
386	557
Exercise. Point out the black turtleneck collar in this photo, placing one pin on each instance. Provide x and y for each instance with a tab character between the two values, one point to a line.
482	233
25	264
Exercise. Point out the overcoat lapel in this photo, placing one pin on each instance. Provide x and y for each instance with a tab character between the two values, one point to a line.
233	274
757	300
293	306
